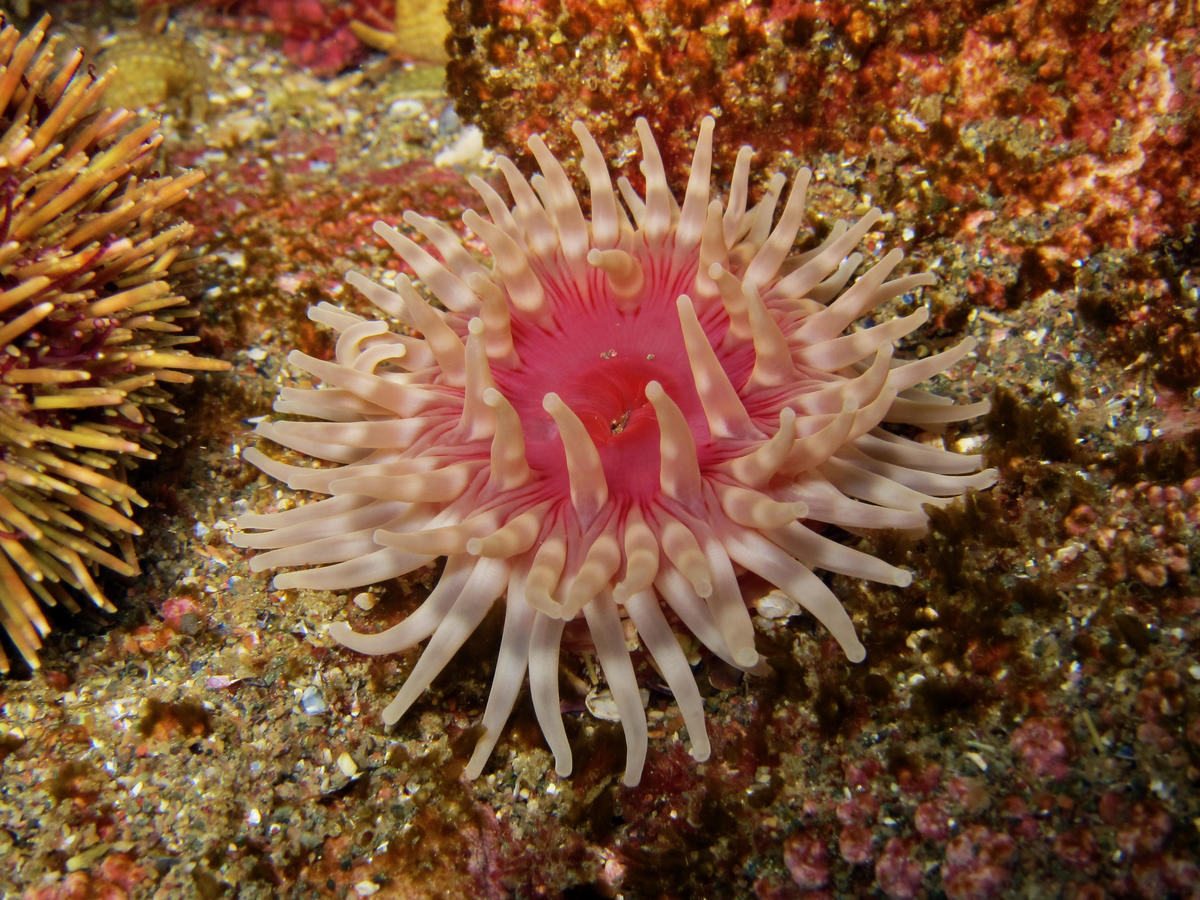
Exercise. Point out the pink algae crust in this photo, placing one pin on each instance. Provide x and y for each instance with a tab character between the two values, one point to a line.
976	865
1044	746
1031	135
807	860
314	34
1107	98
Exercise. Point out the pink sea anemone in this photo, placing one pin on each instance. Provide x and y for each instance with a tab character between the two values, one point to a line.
608	422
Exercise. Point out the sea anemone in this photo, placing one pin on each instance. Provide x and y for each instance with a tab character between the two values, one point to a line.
610	422
87	322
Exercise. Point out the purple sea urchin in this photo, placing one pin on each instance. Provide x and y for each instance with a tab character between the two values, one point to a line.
87	315
606	424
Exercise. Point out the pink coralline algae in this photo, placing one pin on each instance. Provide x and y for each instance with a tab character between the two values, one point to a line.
856	844
932	820
977	864
1144	831
1045	747
604	424
807	860
856	841
315	34
897	872
1078	849
1033	135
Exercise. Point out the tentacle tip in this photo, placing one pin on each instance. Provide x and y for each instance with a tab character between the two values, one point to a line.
340	632
562	767
541	601
474	545
746	658
478	282
855	652
701	749
479	757
903	578
762	669
967	344
632	779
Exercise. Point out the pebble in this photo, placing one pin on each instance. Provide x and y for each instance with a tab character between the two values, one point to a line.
312	702
405	108
467	148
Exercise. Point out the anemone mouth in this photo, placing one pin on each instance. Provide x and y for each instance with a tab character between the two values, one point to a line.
602	350
605	426
606	391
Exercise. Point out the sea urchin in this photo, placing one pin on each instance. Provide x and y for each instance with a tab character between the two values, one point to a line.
609	422
89	262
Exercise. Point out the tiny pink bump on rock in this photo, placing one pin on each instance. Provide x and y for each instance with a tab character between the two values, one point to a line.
806	860
1044	745
897	872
